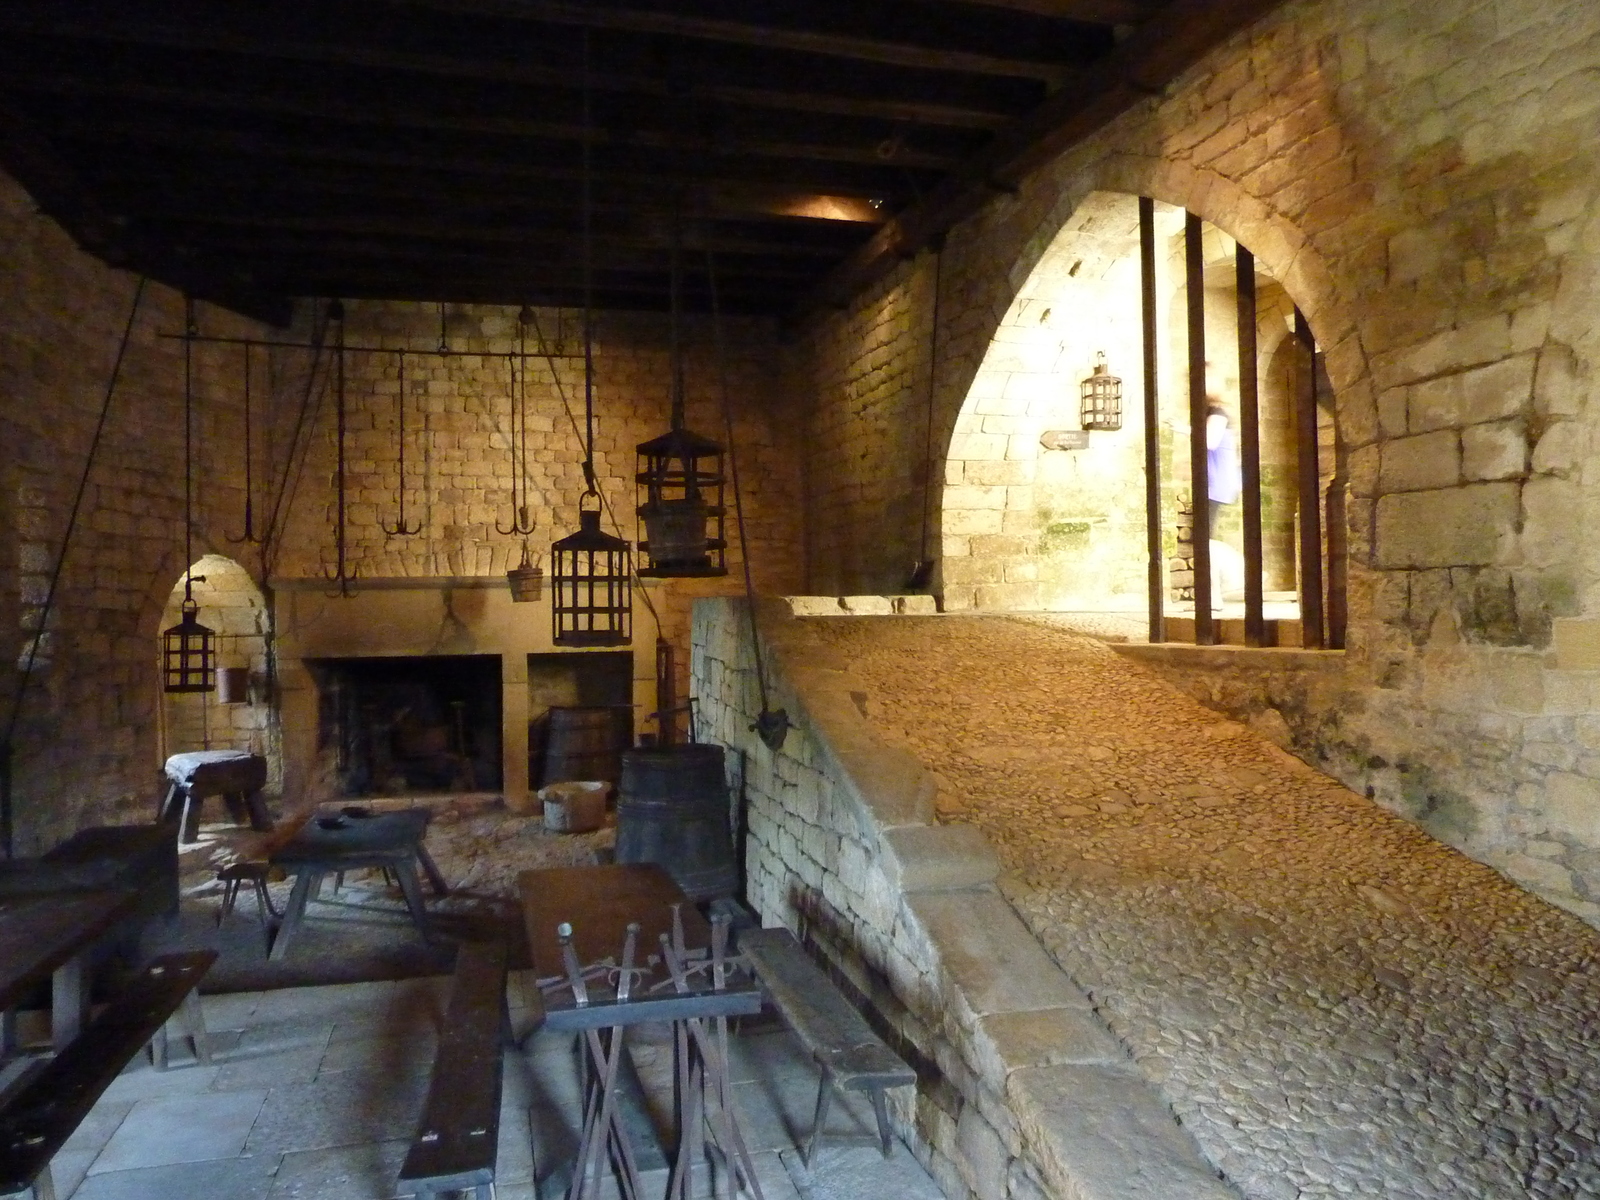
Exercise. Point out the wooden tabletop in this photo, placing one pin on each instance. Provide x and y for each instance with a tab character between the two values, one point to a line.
42	932
598	902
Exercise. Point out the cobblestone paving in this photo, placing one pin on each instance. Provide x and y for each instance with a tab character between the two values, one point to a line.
1334	1003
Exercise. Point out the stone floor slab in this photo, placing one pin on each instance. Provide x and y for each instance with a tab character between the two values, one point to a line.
183	1128
218	1179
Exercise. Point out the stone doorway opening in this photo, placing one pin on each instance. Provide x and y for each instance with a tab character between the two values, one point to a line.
1041	513
410	725
232	607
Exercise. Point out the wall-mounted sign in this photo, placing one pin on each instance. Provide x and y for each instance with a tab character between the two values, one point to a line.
1064	439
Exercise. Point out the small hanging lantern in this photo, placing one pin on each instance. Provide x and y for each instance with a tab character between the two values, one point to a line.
681	509
188	660
1102	398
591	588
526	580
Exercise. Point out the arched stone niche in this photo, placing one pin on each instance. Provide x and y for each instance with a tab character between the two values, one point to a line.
233	607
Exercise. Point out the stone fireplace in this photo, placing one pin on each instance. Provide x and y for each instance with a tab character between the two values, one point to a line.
414	685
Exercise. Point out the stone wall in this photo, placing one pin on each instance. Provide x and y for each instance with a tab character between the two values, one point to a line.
87	745
1424	184
1022	1092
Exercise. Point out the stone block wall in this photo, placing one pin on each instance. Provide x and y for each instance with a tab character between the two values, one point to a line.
87	745
1424	184
1022	1092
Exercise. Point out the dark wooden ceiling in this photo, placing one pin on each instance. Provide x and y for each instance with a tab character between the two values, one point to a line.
434	149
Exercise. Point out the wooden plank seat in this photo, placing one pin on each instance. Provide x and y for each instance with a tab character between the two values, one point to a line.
39	1114
456	1142
850	1055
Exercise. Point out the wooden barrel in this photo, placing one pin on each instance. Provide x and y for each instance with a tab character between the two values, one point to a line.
672	809
586	743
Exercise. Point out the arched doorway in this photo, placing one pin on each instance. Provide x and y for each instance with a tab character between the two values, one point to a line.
1045	511
232	606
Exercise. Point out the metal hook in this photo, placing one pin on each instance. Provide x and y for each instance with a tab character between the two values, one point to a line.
342	575
249	534
400	528
521	523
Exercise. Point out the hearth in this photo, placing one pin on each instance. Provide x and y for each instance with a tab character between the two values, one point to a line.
410	724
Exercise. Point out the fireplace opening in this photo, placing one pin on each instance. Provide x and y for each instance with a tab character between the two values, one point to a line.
402	726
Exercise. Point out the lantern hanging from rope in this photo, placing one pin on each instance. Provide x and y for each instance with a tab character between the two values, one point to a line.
1102	398
188	658
591	577
680	479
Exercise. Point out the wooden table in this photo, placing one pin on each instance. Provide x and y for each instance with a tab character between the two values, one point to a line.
590	909
46	936
392	841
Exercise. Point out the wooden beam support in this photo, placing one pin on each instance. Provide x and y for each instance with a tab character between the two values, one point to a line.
1249	444
1153	530
1194	262
1310	487
670	23
901	98
1100	12
1172	40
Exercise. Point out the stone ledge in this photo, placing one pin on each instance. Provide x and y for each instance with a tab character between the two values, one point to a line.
1244	658
938	858
1102	1134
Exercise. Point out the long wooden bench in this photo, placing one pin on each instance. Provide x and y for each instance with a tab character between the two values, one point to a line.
48	1103
851	1056
455	1146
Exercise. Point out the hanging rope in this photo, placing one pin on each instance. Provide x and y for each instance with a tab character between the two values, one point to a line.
520	523
45	610
249	534
588	271
188	449
400	528
342	575
296	455
922	569
772	725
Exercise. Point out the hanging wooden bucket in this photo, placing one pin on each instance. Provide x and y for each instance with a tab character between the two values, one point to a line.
586	743
672	809
527	583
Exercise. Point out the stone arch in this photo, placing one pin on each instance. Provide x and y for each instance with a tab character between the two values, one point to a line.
1010	391
234	607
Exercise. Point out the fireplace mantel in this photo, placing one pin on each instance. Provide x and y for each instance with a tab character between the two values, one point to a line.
421	616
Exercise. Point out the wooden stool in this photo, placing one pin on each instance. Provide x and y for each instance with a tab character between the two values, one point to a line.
236	876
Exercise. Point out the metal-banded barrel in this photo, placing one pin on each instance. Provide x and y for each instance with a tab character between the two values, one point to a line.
585	743
672	809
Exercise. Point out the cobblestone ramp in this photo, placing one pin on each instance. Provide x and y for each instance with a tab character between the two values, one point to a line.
1333	1003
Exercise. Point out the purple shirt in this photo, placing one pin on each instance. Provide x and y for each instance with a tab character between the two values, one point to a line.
1223	482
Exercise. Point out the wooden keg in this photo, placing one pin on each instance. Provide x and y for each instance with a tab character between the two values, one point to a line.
672	809
586	743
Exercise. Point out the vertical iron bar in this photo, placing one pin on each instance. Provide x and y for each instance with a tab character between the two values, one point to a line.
1152	417
1250	445
1205	633
1310	489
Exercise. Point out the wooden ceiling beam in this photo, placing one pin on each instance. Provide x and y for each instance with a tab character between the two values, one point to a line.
145	184
1140	67
677	23
269	38
400	116
1098	12
816	177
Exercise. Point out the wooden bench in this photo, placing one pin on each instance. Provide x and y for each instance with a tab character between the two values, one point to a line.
51	1100
851	1056
456	1143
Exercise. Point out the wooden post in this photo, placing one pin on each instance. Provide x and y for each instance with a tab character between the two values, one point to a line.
1310	490
1205	633
1152	418
1249	445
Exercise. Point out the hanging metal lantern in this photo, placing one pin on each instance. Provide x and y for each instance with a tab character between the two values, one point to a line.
681	506
1102	398
526	580
591	587
188	660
